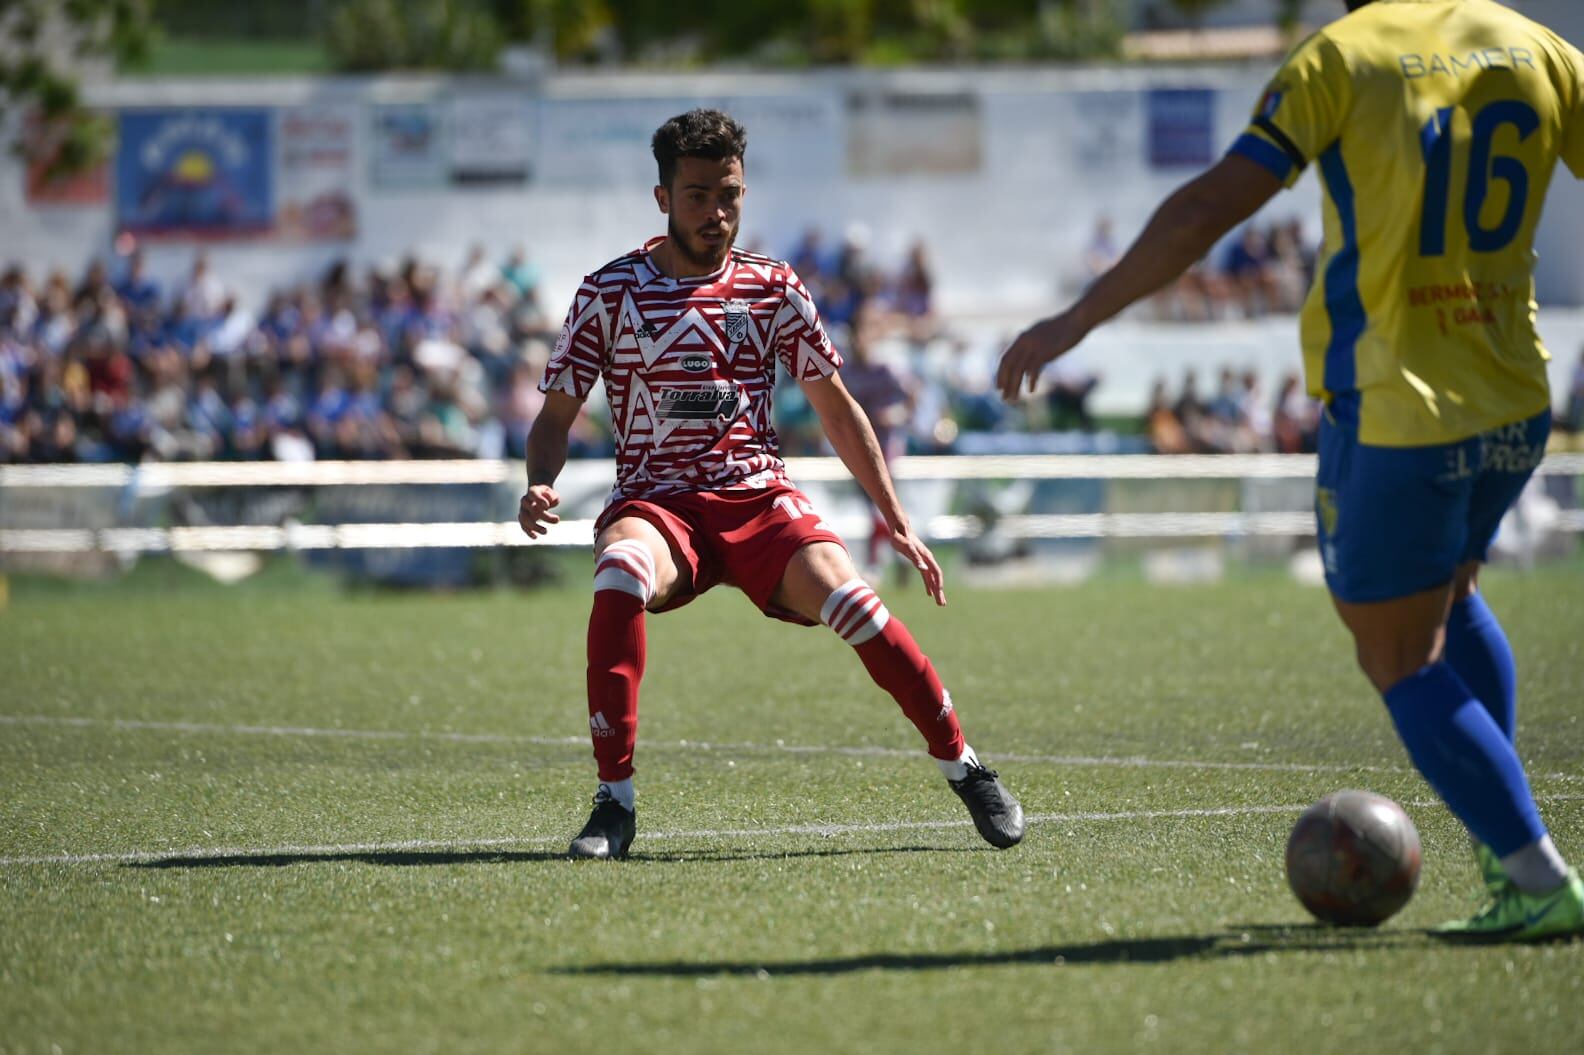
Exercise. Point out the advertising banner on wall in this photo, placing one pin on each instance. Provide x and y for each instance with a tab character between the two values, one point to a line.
407	145
892	134
602	142
42	187
1181	127
1044	139
317	173
196	173
792	138
491	140
605	142
1104	131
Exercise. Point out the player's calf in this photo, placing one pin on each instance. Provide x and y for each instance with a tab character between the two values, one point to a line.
624	584
897	664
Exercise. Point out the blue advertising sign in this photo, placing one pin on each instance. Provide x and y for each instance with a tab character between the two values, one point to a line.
1181	127
196	173
408	145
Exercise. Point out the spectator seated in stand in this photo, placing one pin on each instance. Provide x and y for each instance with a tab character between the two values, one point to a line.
409	360
111	370
1267	269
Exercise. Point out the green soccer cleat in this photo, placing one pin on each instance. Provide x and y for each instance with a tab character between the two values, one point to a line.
1492	874
1516	916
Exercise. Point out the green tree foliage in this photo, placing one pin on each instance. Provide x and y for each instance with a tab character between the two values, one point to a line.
1195	10
815	32
1287	14
455	35
42	43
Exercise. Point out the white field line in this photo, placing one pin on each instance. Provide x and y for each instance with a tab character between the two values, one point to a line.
1124	761
826	830
203	853
665	745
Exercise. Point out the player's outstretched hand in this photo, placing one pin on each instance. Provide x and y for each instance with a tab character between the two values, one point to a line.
1035	347
533	512
918	555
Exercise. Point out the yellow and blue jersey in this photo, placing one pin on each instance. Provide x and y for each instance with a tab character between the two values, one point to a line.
1436	125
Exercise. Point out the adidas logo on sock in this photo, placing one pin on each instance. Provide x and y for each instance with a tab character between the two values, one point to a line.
599	725
946	706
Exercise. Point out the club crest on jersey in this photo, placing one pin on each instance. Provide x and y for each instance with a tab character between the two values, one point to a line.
696	363
1326	506
1270	102
703	403
736	320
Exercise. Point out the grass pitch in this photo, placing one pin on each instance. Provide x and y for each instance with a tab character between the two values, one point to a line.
283	817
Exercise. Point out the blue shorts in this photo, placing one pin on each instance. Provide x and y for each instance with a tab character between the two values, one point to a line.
1395	521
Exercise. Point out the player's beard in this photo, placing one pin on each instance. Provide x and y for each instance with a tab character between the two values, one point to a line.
697	252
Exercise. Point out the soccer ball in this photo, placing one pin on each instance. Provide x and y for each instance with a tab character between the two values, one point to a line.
1353	859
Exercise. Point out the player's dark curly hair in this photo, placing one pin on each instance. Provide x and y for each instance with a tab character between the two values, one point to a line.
701	133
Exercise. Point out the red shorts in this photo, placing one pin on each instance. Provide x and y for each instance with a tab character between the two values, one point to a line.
743	538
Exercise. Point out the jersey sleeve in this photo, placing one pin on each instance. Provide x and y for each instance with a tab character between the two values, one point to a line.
1301	113
1573	116
583	346
800	340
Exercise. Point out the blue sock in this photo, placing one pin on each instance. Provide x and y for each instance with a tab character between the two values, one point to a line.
1461	751
1477	649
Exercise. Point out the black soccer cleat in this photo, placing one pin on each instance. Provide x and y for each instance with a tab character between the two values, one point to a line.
609	831
995	812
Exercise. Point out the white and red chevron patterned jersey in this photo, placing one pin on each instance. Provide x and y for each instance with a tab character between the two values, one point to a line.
689	367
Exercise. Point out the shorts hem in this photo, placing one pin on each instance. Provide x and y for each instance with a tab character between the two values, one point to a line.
1382	594
775	611
685	592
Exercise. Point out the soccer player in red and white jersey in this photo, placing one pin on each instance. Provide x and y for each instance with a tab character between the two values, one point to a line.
686	333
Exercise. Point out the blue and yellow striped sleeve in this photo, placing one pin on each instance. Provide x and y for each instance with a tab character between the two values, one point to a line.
1301	112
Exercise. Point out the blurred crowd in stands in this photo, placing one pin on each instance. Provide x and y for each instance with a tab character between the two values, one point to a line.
401	363
414	361
1264	269
1241	417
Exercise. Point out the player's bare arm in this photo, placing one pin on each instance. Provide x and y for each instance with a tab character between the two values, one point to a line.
853	438
547	454
1182	231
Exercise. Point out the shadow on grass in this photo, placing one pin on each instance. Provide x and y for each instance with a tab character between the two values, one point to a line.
416	858
1242	941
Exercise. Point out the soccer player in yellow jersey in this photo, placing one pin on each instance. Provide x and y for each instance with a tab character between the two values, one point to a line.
1436	126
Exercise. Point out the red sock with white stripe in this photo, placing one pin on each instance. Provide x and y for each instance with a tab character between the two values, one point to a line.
623	585
898	666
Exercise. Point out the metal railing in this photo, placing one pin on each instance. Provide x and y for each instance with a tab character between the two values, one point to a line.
291	535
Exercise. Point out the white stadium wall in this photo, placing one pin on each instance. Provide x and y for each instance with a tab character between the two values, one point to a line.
1002	173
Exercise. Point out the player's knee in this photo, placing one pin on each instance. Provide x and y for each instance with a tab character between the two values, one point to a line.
1385	663
626	566
1466	582
854	611
1379	674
